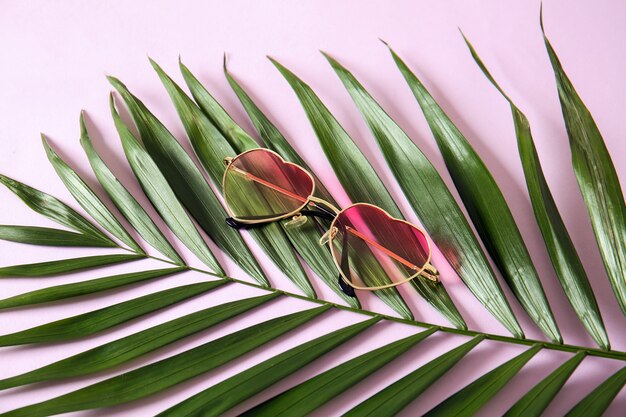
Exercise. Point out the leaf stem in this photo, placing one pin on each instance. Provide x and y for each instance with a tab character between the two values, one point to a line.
611	354
167	261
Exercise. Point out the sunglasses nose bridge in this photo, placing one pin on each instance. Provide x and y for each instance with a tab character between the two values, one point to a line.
228	160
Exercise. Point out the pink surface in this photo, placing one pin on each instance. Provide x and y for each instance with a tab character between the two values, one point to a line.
55	55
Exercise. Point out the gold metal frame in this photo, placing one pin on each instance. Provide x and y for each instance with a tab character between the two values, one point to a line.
427	271
229	165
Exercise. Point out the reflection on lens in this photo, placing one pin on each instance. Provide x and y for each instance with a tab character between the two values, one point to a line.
259	185
374	250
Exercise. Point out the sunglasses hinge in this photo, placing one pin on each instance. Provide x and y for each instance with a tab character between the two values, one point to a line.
329	235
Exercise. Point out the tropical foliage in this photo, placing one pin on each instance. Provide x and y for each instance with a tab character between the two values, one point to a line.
184	200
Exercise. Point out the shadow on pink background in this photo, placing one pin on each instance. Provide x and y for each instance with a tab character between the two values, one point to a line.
55	56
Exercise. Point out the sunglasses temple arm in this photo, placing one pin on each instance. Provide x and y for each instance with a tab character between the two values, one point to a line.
382	248
345	267
236	224
323	214
268	184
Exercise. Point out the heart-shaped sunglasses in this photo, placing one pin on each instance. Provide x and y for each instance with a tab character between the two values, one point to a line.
371	249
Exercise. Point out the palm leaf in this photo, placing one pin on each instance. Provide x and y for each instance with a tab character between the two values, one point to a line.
164	165
53	208
539	397
188	183
123	350
433	202
487	208
98	320
124	201
467	401
227	394
50	237
303	399
562	252
359	180
170	371
273	138
64	266
273	238
61	292
305	238
211	148
398	395
156	187
88	199
598	400
597	179
238	138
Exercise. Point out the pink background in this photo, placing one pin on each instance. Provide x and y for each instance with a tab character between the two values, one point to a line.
55	55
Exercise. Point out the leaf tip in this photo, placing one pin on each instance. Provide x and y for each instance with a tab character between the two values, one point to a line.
48	149
154	64
283	70
391	51
183	67
115	82
83	125
277	64
160	72
112	105
227	73
467	42
333	62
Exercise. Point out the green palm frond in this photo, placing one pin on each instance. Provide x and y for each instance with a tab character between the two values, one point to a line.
565	260
188	204
597	178
486	206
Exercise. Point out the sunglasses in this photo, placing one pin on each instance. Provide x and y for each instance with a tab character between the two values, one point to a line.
371	249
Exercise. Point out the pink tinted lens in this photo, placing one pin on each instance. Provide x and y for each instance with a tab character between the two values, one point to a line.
259	184
373	249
